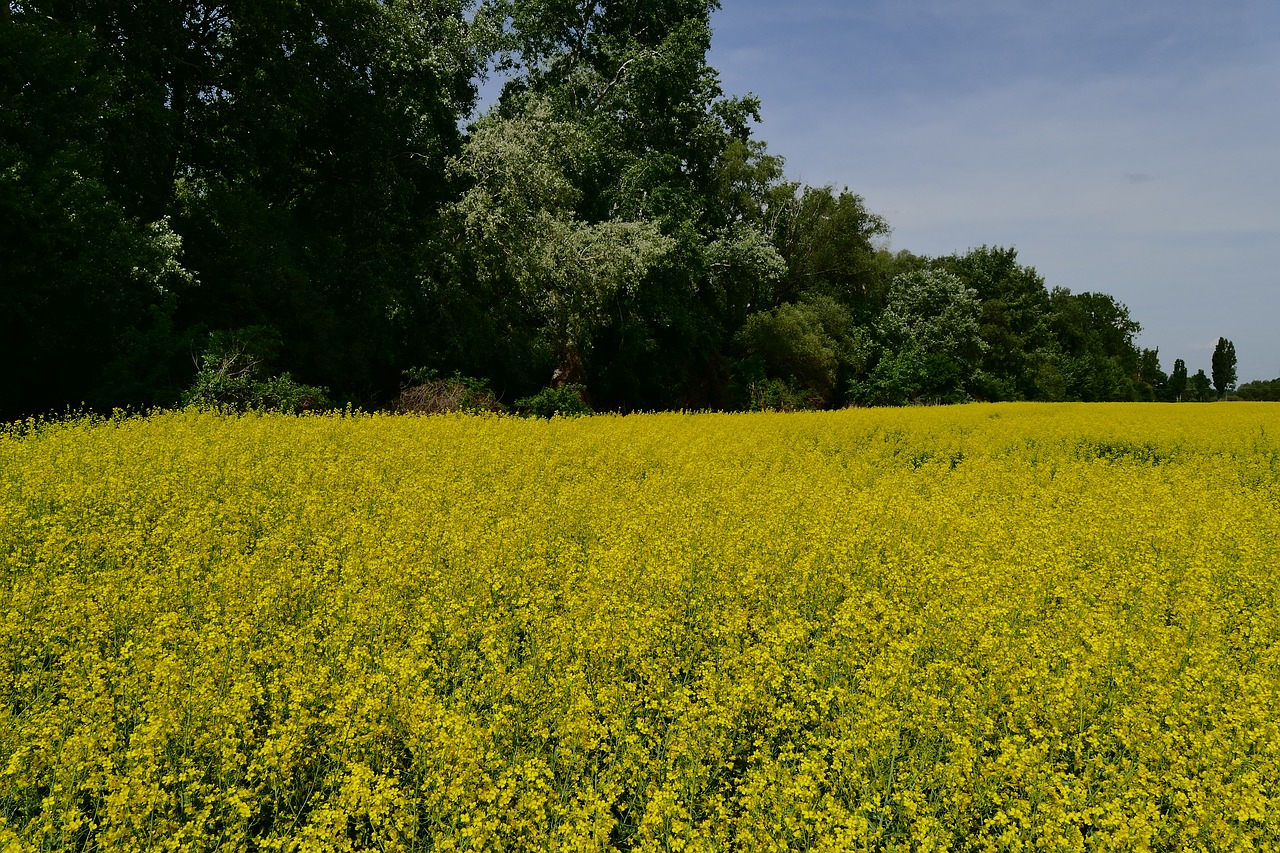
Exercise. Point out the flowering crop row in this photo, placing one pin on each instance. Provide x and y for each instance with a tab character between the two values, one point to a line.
1009	627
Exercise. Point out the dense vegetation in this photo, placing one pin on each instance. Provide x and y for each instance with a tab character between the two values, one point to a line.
204	197
982	628
1261	389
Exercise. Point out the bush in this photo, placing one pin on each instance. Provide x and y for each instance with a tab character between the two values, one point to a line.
567	401
800	349
228	377
427	393
776	395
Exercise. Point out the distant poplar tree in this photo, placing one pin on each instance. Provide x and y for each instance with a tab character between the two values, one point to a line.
1178	380
1224	367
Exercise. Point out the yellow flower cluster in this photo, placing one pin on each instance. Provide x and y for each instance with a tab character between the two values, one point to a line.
983	628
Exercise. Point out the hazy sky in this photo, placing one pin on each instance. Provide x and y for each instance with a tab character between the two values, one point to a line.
1130	147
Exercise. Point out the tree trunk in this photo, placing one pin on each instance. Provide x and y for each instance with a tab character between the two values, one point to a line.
570	371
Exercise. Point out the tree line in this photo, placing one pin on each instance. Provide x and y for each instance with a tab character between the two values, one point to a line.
270	201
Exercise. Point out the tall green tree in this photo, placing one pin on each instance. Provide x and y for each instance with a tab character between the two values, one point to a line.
518	216
298	151
1199	388
1152	379
89	279
1178	380
1224	367
663	144
828	241
928	342
1097	357
1015	322
316	171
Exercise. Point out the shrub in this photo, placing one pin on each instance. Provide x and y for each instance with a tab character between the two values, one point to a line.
229	376
776	395
566	401
427	393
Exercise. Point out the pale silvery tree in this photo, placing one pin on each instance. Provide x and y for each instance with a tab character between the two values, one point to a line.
518	215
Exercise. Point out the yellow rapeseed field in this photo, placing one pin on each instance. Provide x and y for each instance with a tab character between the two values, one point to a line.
989	627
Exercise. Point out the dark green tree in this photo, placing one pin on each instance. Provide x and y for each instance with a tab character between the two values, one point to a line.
1224	367
298	150
1014	319
1152	380
88	279
795	355
828	241
313	172
659	143
1178	380
1096	357
1260	390
1199	388
928	343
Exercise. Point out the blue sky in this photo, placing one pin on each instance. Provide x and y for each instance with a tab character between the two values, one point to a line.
1127	147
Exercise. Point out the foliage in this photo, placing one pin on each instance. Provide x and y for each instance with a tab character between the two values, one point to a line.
1199	389
1260	390
763	394
1095	353
610	221
1047	627
1178	380
567	401
518	218
426	392
1152	381
1014	320
89	287
1224	367
660	143
802	347
929	342
829	243
230	376
744	268
297	150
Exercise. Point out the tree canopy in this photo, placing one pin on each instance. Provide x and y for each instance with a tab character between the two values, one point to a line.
177	175
1224	367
